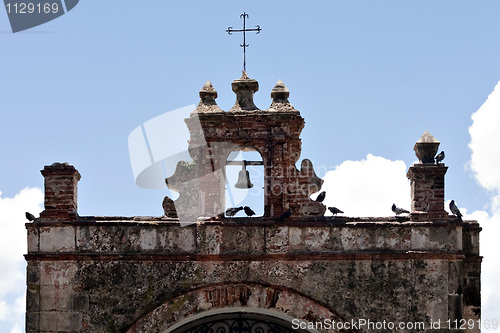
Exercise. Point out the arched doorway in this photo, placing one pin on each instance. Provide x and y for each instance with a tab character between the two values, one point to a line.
237	320
231	304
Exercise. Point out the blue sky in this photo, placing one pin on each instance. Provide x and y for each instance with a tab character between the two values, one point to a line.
369	77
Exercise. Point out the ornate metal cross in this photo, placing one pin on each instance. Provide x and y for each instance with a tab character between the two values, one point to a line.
230	30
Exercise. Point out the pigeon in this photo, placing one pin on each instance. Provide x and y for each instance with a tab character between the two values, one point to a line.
233	210
249	211
454	209
321	197
335	210
30	216
285	215
439	157
398	210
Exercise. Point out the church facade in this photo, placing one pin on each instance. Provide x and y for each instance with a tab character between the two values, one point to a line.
197	269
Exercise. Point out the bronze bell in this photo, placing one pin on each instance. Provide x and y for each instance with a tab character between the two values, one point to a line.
243	179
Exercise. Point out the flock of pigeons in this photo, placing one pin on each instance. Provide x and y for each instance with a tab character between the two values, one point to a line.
230	212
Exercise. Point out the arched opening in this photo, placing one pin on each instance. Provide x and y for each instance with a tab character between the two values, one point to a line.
244	176
238	320
283	308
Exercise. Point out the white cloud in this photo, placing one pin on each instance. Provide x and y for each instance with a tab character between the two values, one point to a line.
368	187
485	142
485	164
12	247
490	267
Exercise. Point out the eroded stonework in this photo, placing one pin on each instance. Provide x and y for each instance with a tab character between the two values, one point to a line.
154	274
109	275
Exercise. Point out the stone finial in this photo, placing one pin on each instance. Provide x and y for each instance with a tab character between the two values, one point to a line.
280	102
244	88
244	76
426	148
61	187
280	91
208	94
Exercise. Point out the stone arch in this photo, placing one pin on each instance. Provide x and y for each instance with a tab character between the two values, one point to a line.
238	319
282	303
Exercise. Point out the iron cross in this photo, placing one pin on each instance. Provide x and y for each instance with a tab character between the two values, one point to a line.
230	30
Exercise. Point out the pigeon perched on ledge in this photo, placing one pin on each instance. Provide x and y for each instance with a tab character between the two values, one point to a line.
249	211
454	209
439	157
321	197
398	210
30	216
233	210
335	210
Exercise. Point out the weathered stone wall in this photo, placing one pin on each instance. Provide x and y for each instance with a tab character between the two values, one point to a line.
109	274
117	274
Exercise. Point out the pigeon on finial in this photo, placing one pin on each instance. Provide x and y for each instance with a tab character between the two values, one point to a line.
439	157
398	210
454	209
249	211
335	210
30	216
321	197
233	210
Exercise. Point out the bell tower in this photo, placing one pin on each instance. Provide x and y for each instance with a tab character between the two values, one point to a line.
274	133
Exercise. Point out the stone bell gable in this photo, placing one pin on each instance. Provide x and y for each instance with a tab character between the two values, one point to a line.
274	133
99	274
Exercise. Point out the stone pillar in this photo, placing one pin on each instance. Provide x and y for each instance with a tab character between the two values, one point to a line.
427	182
61	180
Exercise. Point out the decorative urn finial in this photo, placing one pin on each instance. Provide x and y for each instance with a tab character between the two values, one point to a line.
426	148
